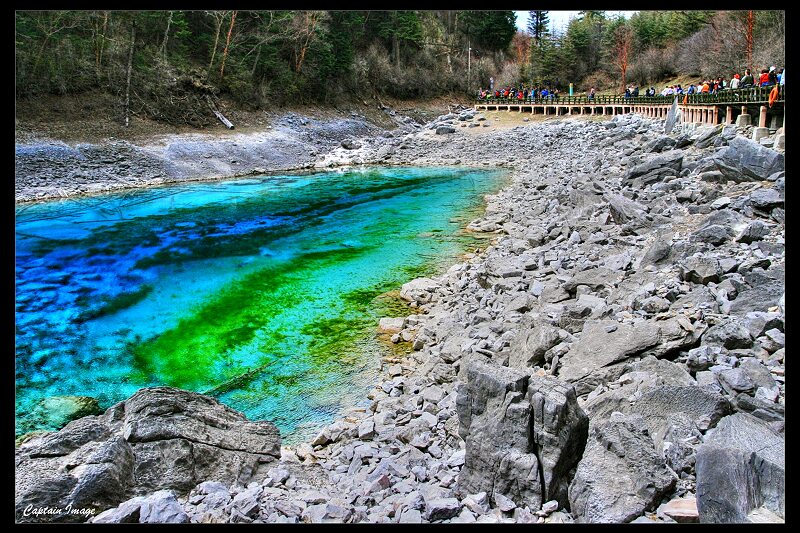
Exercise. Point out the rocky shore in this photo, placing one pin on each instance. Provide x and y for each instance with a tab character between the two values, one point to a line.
616	355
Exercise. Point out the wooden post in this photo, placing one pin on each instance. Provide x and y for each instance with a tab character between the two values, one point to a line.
716	115
762	118
728	115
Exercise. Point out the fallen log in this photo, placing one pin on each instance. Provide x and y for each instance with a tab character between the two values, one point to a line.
224	120
220	116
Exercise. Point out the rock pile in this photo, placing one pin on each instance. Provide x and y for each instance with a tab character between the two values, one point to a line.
616	355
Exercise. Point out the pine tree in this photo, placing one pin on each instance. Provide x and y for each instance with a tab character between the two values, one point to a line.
538	24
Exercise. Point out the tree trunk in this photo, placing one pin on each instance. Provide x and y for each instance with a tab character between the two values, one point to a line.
255	63
227	44
214	50
166	36
103	41
128	82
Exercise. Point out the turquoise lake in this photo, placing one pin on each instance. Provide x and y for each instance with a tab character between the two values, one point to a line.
264	291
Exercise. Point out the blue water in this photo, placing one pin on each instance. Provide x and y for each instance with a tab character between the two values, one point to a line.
264	292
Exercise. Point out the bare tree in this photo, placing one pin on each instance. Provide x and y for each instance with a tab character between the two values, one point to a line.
219	17
128	82
623	39
227	45
305	26
163	51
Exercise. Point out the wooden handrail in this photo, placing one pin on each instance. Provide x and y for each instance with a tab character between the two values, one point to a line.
723	96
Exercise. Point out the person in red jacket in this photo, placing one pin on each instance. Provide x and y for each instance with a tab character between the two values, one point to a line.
764	78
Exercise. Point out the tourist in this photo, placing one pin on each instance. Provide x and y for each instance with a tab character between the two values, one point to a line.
763	79
704	87
544	93
773	76
555	93
591	94
652	91
735	82
636	91
691	89
678	89
747	80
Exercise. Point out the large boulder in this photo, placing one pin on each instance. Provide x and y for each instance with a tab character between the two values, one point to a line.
670	161
751	159
740	468
523	434
420	290
594	278
620	475
160	438
531	343
605	342
623	209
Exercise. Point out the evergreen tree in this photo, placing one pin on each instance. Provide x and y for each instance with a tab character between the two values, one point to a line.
538	25
492	30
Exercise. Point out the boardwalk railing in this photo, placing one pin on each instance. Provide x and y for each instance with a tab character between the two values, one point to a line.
724	96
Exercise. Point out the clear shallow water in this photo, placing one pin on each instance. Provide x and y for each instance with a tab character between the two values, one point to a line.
264	292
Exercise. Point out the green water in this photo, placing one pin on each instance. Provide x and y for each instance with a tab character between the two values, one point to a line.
264	292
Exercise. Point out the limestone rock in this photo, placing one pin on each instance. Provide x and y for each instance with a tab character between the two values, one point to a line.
160	438
620	475
523	434
740	467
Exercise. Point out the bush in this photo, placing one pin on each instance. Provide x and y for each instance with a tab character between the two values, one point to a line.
654	64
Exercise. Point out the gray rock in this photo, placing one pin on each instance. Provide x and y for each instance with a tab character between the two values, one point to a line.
751	159
126	513
707	136
441	509
700	269
714	234
418	290
445	129
740	467
736	380
755	231
659	251
595	278
160	438
659	144
703	406
672	160
624	210
162	507
766	199
620	475
598	348
350	144
531	343
731	334
523	434
410	516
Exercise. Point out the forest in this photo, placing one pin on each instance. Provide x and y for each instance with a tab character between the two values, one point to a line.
167	65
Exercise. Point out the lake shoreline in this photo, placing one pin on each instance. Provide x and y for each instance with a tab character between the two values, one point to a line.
635	281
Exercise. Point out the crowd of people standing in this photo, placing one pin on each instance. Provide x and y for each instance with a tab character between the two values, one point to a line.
766	78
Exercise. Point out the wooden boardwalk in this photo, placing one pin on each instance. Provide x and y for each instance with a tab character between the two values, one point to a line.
723	107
